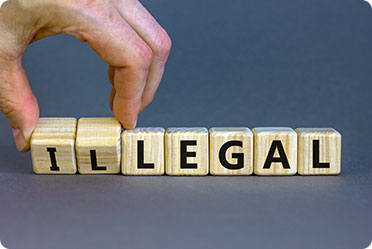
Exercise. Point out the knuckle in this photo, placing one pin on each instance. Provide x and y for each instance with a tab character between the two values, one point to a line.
144	56
163	45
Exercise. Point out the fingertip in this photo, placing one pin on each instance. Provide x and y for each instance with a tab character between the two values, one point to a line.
20	140
128	124
132	126
126	111
126	121
22	132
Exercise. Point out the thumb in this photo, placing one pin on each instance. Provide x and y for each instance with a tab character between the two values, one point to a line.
17	101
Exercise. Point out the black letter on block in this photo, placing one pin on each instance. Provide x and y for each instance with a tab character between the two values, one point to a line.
52	154
93	159
277	144
140	163
316	163
238	156
185	154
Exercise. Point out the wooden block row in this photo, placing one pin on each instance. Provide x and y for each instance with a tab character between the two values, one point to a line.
101	148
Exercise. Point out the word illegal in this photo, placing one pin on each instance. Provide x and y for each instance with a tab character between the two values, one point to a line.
98	146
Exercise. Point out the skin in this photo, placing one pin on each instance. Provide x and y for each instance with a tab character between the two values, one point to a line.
122	32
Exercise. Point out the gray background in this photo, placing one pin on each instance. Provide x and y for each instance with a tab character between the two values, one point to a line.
234	63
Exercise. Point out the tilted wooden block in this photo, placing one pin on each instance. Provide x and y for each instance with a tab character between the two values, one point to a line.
275	151
319	151
186	151
143	151
98	146
230	151
53	146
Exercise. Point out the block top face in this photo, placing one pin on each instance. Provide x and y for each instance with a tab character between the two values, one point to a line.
276	130
318	131
54	130
145	130
97	131
187	130
105	121
230	129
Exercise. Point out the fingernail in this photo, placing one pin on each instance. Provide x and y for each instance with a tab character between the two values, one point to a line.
19	139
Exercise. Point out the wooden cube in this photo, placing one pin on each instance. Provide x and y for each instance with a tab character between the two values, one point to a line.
186	151
98	145
275	151
319	151
230	151
53	146
143	151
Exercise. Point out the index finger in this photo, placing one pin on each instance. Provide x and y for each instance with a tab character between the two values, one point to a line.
123	49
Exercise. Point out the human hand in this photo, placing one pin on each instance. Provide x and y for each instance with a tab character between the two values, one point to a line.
122	32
